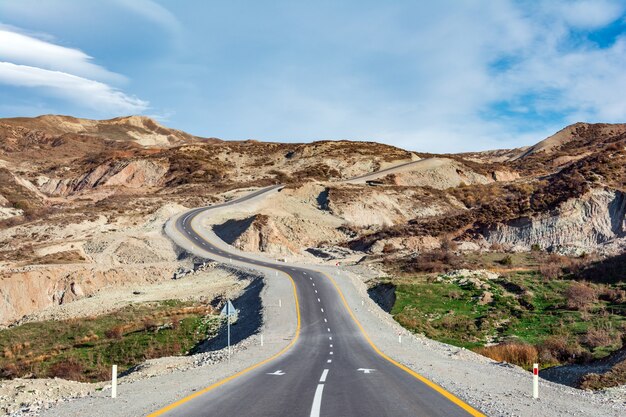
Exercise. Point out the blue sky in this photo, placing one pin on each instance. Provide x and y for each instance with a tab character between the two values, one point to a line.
444	76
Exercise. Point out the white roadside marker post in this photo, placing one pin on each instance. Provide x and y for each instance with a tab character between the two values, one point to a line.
228	318
114	382
280	302
535	380
400	338
261	339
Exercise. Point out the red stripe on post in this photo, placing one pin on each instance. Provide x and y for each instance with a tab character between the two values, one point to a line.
535	371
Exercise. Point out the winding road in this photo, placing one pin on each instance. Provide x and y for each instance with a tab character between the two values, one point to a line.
330	368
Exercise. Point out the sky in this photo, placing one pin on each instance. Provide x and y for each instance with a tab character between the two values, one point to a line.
444	76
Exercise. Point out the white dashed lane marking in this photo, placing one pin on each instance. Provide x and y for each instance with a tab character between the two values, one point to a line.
324	375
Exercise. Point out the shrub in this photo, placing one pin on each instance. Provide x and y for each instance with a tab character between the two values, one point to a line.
507	261
559	349
550	270
67	369
613	295
9	371
598	337
535	247
437	260
580	296
517	353
616	376
455	294
115	332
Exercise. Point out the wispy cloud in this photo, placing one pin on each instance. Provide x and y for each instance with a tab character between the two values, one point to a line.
21	48
26	61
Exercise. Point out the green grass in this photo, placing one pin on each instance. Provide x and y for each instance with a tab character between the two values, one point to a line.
525	308
84	349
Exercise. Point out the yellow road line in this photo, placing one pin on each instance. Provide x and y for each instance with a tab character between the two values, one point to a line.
238	374
453	398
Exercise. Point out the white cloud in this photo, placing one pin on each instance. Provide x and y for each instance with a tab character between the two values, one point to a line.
590	14
68	73
93	94
20	48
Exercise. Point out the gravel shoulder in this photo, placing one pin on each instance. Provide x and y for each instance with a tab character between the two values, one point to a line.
495	388
163	381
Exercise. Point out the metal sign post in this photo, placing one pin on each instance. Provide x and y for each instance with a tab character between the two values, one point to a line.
228	311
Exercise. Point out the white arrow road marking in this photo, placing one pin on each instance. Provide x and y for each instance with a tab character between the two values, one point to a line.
278	373
331	353
317	401
329	361
365	370
324	375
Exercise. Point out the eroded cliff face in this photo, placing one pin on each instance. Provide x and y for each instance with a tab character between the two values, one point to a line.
594	222
133	174
27	290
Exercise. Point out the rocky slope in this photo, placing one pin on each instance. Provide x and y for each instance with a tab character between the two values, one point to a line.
68	185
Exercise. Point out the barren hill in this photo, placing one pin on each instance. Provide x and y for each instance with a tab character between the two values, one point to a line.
59	173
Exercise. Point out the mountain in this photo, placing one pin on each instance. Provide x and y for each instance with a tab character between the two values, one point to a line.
59	173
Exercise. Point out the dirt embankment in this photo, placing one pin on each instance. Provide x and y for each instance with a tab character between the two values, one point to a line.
77	261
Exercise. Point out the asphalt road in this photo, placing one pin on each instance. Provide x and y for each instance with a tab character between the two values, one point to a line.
331	370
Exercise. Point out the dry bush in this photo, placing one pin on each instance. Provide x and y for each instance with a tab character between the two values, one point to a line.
115	332
517	353
67	369
594	338
496	247
448	245
613	295
9	371
150	325
455	294
559	349
615	377
550	270
175	323
580	296
437	260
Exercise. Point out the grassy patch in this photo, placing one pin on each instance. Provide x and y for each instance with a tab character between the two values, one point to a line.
522	308
84	349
